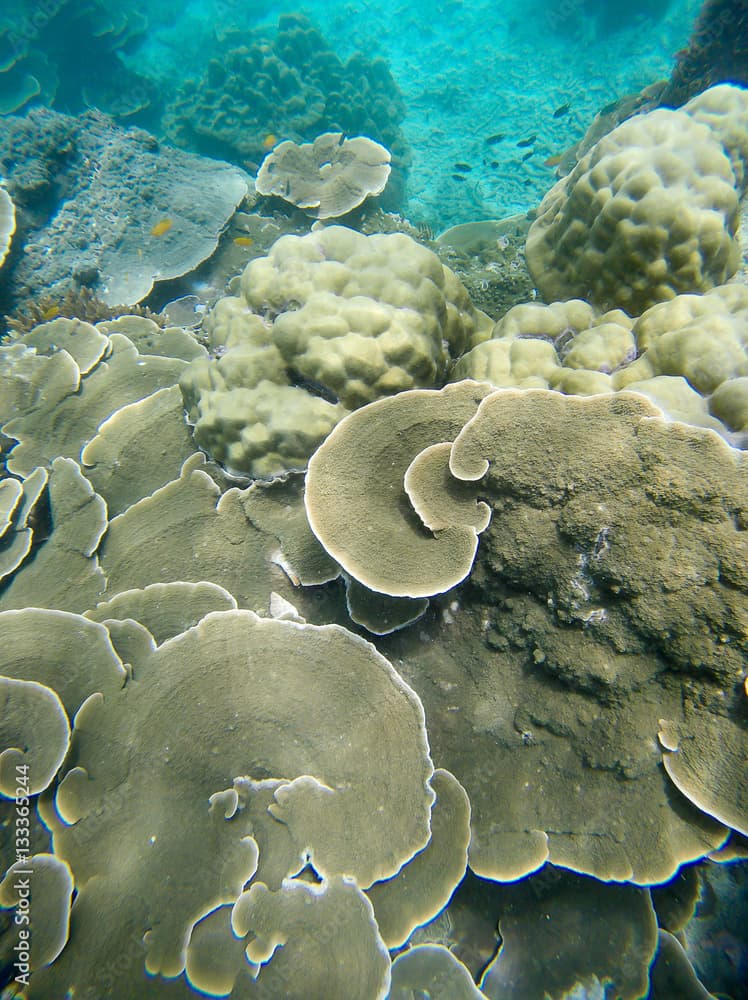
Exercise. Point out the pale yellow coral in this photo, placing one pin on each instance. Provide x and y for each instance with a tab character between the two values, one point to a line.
324	324
650	211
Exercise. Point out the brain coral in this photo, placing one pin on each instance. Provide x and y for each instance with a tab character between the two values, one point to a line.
650	211
322	325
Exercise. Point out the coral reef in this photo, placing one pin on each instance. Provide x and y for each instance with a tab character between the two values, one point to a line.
290	85
689	355
652	210
461	710
153	212
593	610
323	324
151	620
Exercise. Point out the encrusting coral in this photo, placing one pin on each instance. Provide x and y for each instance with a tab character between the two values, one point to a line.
613	571
650	211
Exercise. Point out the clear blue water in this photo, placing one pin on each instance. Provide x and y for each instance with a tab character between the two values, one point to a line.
467	70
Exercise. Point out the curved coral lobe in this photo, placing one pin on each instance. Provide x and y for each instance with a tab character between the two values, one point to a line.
166	762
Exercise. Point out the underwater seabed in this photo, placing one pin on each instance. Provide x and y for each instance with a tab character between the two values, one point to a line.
374	604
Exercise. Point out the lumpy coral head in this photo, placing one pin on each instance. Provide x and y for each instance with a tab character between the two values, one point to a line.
650	211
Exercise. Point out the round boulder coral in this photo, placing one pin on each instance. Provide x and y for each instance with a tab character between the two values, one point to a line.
324	324
652	210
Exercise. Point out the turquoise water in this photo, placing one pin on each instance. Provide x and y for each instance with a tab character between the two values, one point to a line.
204	617
466	71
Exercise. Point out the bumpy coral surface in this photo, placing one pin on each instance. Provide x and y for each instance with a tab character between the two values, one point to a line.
652	210
322	325
689	355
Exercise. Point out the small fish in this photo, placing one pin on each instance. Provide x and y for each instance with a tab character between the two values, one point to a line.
162	226
458	177
552	161
269	141
561	111
528	155
312	386
464	168
527	142
493	139
609	108
243	241
51	312
494	164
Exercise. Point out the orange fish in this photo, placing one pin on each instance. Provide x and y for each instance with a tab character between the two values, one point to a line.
269	141
243	241
50	312
552	161
162	226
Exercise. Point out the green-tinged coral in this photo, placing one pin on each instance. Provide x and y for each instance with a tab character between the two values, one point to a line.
64	652
609	590
18	511
64	572
650	211
705	755
47	920
150	338
566	934
322	325
84	343
278	508
165	761
138	449
34	735
432	969
188	532
59	420
672	974
331	945
423	886
165	609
